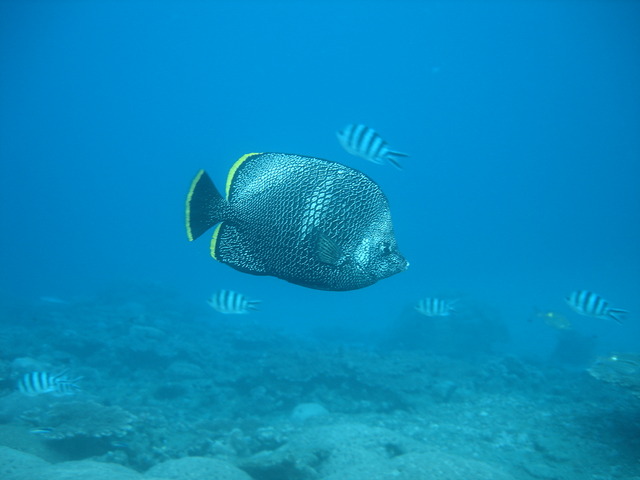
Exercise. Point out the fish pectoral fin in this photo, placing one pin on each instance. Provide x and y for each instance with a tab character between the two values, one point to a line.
327	250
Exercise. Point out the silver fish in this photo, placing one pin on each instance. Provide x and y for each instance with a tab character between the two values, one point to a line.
591	304
39	383
366	143
230	302
435	307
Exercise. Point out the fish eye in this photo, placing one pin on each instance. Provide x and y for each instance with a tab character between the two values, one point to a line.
385	248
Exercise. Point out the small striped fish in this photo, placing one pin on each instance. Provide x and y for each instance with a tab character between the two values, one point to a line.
435	307
591	304
38	383
365	142
228	301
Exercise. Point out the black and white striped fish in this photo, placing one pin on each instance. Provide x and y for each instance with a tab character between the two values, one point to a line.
365	142
435	307
228	301
591	304
38	383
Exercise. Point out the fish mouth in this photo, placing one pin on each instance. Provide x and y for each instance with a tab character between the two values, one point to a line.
402	264
398	266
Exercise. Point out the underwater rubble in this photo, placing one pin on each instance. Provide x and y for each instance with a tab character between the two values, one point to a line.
248	402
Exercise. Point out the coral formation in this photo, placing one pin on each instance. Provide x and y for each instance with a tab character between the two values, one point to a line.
256	401
622	369
80	419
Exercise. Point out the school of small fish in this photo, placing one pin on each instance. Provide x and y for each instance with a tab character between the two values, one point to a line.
583	302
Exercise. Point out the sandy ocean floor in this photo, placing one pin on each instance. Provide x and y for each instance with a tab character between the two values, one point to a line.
234	401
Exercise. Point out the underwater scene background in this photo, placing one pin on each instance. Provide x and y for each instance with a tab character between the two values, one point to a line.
521	123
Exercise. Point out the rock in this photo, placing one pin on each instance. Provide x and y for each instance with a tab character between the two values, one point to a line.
425	465
89	469
185	370
196	468
304	411
17	465
444	390
19	438
22	365
328	450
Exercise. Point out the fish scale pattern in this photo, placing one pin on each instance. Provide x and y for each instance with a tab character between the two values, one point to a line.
281	204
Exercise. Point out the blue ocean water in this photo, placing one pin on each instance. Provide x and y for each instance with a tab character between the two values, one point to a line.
521	120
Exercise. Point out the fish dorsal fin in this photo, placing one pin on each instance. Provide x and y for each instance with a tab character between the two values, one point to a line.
327	250
234	170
